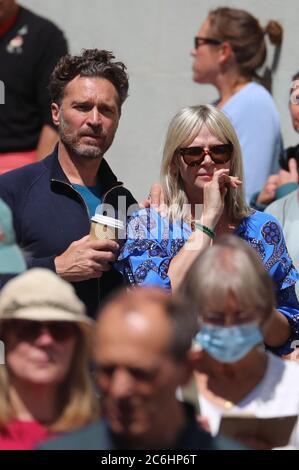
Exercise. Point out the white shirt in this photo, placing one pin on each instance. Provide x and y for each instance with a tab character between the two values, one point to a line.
276	395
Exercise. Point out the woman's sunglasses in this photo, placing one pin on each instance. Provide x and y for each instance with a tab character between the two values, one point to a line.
194	156
29	330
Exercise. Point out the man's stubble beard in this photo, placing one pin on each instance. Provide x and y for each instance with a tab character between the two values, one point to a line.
80	151
72	145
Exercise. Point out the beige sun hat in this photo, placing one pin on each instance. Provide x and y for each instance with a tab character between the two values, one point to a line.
41	295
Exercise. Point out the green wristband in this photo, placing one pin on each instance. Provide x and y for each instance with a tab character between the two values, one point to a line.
208	231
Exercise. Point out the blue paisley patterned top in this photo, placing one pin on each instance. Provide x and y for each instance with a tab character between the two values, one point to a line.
152	243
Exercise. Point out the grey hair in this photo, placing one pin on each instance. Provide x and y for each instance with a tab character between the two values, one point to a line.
229	267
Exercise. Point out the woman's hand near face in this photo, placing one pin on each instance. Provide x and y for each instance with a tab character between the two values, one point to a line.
214	196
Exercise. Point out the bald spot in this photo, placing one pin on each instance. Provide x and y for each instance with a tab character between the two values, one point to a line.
136	323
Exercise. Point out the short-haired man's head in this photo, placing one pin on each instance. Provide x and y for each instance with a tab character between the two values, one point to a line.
91	63
140	301
229	268
142	340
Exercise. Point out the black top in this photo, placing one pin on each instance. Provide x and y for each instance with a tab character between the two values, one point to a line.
49	214
28	53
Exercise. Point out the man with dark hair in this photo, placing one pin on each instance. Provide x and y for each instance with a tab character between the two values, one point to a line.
30	47
141	357
92	63
53	201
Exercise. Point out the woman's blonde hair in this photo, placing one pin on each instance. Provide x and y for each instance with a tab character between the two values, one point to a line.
182	130
77	399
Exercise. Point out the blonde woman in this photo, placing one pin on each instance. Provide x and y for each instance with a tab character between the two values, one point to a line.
45	387
201	178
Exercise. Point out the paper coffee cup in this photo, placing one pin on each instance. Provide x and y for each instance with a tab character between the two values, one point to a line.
103	227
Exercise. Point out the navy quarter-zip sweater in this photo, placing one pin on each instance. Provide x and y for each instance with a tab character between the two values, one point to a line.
49	214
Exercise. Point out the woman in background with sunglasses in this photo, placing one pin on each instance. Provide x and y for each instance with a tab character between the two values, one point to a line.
45	387
229	48
201	178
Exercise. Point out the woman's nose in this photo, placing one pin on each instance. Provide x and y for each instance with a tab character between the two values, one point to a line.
207	158
45	336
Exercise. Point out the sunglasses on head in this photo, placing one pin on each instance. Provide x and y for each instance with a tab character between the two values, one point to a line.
194	156
30	330
199	41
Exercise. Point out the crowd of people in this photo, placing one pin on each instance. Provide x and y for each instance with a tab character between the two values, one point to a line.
207	310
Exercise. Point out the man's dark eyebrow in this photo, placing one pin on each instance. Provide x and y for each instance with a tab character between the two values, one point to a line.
88	102
76	102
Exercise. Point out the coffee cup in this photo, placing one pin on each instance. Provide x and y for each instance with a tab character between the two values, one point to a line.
104	227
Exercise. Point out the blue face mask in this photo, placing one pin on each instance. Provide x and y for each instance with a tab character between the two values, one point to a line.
231	343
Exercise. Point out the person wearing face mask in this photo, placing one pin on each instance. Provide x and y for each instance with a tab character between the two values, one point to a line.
233	295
